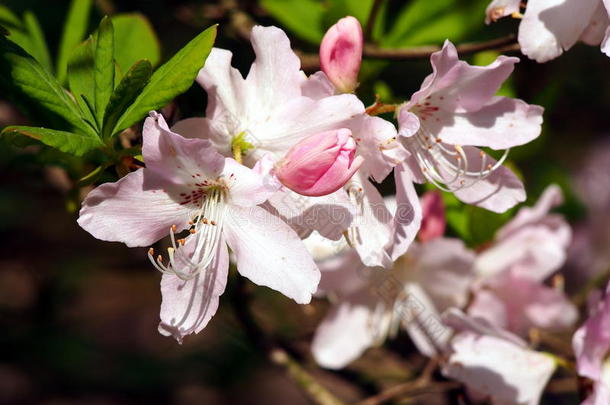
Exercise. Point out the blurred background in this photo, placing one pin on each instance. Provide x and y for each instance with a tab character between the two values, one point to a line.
78	316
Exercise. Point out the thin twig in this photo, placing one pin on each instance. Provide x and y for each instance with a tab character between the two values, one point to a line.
422	385
277	355
316	392
242	23
370	23
507	43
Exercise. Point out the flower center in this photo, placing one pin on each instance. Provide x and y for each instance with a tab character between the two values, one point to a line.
446	166
192	255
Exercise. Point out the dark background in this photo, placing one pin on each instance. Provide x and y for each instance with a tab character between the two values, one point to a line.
78	316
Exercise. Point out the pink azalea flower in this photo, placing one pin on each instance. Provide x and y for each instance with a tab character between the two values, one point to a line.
495	364
374	229
510	292
533	244
550	27
187	185
517	304
370	304
341	54
321	164
591	344
268	113
267	107
453	113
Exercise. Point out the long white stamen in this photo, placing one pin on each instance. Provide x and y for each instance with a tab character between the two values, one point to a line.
206	230
447	168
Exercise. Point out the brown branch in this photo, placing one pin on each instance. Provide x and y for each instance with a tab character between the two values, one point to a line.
503	44
242	23
311	62
370	23
422	385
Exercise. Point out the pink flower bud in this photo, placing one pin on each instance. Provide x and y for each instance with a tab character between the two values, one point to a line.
433	220
320	164
341	54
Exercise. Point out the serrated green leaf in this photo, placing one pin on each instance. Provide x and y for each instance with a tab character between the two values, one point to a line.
104	68
171	79
68	142
134	40
126	92
81	77
303	17
23	77
39	49
75	28
27	34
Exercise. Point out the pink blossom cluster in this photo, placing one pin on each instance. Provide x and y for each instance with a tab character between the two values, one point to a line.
282	172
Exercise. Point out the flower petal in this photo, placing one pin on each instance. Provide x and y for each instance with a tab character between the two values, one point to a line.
372	227
188	306
177	159
301	117
377	143
551	26
502	123
225	87
330	215
128	212
498	192
270	253
408	214
524	303
317	86
444	271
591	341
498	369
533	252
275	76
538	214
345	333
247	187
204	128
456	85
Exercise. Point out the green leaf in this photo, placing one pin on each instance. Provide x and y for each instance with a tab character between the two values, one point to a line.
75	28
81	77
68	142
38	48
303	17
340	8
4	31
425	22
171	79
123	96
104	68
8	18
134	40
27	34
23	77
